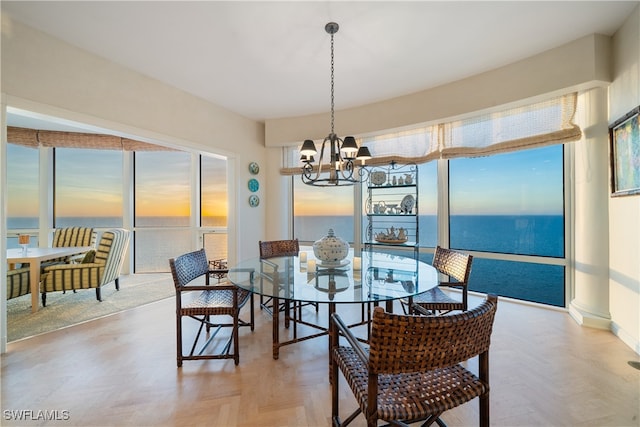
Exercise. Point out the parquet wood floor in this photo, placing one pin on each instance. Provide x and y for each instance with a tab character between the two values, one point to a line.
121	371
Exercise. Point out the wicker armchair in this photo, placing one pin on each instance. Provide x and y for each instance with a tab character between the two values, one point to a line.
18	282
222	299
457	266
103	269
415	368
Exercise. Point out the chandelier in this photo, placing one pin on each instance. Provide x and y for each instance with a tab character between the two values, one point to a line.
339	167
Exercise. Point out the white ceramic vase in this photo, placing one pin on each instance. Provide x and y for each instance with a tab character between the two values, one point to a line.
331	249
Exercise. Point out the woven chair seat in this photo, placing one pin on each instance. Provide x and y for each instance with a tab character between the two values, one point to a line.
438	300
410	396
215	302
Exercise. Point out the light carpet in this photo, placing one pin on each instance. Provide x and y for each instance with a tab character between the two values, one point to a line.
67	309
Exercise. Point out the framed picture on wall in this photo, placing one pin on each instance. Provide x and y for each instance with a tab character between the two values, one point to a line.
624	137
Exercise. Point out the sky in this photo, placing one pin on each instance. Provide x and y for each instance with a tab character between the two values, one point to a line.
523	182
89	183
520	183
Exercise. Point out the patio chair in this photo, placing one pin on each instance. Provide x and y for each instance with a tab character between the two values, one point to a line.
68	237
457	266
206	302
416	367
104	268
18	282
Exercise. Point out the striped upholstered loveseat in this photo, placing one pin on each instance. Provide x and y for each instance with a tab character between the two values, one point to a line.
91	273
18	282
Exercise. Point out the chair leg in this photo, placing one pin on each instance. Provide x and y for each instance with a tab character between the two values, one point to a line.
251	306
334	393
44	299
179	339
98	295
117	283
236	345
484	410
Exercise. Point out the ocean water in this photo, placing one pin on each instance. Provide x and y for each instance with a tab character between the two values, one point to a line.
539	235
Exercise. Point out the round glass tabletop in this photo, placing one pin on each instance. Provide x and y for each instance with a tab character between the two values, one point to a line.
374	276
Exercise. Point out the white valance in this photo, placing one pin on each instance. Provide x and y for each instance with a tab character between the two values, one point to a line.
542	123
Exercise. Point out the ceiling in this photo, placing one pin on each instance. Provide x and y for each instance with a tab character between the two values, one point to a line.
269	59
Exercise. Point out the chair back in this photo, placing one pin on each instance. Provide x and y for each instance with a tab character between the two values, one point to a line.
188	267
74	236
274	248
405	343
111	253
454	264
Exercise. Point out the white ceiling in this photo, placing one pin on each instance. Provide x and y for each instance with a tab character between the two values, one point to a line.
269	59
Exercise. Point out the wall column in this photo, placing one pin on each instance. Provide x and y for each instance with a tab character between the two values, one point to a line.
590	306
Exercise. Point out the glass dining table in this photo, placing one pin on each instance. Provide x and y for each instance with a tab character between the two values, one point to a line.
372	277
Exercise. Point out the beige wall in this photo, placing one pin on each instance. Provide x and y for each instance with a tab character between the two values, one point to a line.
624	212
51	77
579	65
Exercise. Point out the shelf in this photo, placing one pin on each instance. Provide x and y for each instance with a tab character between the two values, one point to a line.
384	186
392	207
405	244
392	215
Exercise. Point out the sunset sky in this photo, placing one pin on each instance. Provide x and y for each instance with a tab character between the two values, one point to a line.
525	182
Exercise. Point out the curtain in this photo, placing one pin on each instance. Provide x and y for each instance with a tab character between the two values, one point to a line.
535	125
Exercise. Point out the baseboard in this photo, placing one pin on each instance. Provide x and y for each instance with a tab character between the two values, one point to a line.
619	332
589	319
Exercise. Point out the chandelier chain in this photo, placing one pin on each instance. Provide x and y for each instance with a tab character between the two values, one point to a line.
332	129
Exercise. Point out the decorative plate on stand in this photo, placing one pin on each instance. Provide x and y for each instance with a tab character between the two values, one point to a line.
407	204
333	265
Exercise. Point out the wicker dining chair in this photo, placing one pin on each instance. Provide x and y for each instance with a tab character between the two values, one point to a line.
272	249
211	302
457	266
415	368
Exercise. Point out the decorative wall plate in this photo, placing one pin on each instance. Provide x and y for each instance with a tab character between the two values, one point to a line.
254	200
253	185
254	168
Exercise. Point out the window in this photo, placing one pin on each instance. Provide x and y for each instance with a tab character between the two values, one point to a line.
317	209
511	204
23	193
508	203
162	208
88	188
428	204
214	206
214	200
162	188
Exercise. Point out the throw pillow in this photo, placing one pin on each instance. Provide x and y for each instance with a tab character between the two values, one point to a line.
89	257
